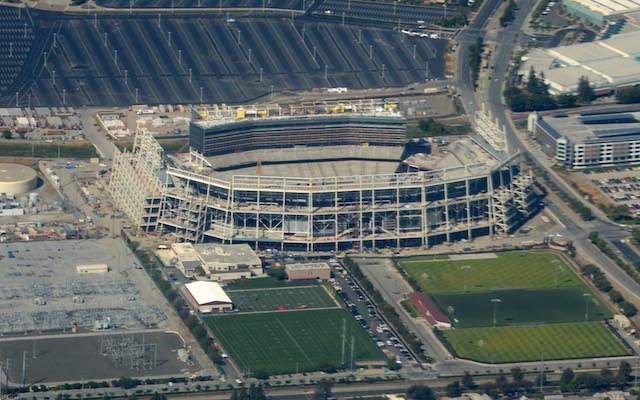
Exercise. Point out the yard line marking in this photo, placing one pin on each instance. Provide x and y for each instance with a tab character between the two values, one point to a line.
284	328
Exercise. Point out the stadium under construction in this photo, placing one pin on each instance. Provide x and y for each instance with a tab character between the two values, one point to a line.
334	177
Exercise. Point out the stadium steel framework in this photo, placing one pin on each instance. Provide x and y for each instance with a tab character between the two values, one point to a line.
319	214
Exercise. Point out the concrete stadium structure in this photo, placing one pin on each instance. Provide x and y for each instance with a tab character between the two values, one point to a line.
471	193
17	179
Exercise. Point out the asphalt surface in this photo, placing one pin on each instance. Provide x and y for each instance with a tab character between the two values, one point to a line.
279	4
96	60
384	12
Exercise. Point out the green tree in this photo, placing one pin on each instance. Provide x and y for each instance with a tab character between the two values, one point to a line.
323	390
468	382
454	389
532	81
568	380
624	372
256	392
615	296
585	93
277	273
6	134
517	374
200	271
420	392
566	100
628	95
628	309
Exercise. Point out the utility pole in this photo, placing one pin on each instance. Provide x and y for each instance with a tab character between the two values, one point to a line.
344	332
24	368
541	372
587	297
464	268
353	342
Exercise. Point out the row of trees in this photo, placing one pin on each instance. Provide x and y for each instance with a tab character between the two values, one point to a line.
518	384
535	96
601	282
628	95
174	298
475	59
509	13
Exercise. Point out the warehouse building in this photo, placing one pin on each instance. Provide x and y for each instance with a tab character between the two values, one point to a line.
187	259
599	12
584	140
315	270
207	297
609	64
229	261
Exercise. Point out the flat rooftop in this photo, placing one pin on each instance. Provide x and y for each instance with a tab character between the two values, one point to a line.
306	266
624	126
610	7
227	254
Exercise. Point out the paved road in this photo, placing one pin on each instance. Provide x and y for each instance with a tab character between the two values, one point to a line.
394	288
105	147
505	44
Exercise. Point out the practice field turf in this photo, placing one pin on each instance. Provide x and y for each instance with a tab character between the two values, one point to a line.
509	270
288	298
283	342
553	342
522	306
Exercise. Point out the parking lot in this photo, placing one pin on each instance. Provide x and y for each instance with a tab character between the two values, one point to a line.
279	4
383	12
621	187
137	60
366	314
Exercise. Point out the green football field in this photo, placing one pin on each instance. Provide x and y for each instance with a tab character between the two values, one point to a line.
518	269
283	342
289	298
522	306
552	342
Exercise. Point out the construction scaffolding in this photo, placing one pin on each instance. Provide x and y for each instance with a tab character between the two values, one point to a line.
135	184
421	208
490	130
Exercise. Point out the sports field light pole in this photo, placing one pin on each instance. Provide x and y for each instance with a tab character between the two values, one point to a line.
249	58
125	76
105	39
169	40
495	309
180	57
395	6
464	269
11	50
136	95
261	70
201	94
189	75
587	297
414	51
